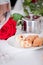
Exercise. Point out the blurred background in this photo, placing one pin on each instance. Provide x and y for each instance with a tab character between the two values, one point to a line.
13	2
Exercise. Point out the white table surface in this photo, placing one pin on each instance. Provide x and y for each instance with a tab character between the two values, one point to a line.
12	56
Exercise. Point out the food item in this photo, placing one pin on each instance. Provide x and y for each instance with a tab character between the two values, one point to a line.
21	37
37	42
42	40
26	44
31	37
30	41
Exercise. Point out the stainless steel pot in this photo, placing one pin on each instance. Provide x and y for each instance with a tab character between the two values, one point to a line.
31	26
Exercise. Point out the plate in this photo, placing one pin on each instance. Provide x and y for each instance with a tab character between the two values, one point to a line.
14	42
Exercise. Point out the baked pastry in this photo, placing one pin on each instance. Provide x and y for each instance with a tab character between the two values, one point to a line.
25	44
31	37
37	42
42	40
30	41
21	37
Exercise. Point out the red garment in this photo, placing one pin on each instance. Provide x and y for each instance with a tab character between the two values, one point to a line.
8	29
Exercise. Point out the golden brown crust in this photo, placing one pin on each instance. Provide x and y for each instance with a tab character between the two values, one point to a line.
30	41
37	42
42	40
27	44
31	37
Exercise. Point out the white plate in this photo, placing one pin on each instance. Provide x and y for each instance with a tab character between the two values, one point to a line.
14	42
